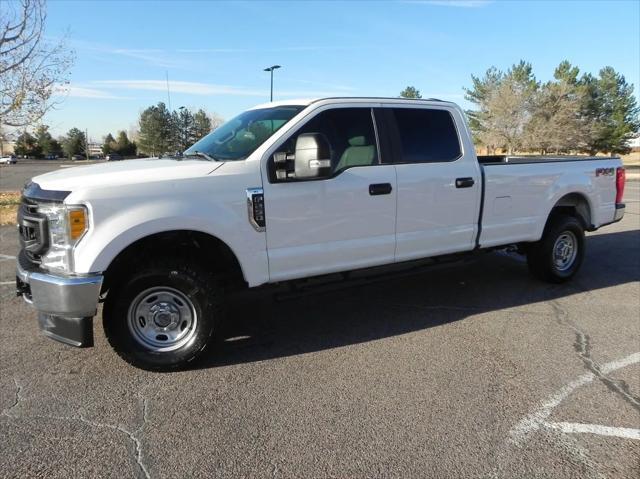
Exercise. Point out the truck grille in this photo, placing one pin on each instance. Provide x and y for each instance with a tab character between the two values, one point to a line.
33	231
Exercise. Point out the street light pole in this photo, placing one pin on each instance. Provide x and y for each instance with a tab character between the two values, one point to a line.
270	69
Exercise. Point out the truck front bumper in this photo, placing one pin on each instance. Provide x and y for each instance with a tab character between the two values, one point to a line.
65	304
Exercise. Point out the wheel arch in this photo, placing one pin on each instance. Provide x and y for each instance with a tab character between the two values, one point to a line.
207	249
574	204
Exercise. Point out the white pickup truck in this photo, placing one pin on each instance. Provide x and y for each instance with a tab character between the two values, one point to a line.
281	193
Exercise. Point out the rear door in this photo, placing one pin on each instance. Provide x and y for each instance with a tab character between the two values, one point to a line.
439	183
342	222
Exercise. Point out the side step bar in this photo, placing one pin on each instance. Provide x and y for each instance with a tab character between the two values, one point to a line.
362	277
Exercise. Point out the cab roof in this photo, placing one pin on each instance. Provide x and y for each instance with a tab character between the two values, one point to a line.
355	99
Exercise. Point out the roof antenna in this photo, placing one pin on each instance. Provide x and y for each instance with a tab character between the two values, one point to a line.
168	92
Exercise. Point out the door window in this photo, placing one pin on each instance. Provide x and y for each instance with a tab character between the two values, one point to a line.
350	135
426	135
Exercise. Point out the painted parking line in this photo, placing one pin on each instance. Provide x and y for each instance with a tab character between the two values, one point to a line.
538	418
573	428
4	257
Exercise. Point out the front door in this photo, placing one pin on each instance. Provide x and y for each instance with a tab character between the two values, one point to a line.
343	221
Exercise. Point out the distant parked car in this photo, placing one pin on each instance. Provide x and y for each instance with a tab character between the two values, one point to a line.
114	157
78	157
7	160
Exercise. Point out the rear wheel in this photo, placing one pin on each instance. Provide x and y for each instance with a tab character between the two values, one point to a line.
557	257
162	316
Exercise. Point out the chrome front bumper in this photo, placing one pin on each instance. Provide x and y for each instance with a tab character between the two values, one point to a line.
65	305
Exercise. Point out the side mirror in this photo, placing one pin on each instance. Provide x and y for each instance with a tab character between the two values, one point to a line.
313	156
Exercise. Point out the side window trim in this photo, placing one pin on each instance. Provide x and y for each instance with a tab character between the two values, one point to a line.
308	118
377	136
386	151
394	132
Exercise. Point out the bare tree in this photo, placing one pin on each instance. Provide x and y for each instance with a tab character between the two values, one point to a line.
30	68
216	120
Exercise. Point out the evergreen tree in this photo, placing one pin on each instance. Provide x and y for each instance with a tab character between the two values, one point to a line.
587	114
504	101
410	92
47	145
109	144
202	125
613	111
185	123
479	94
74	143
156	130
123	146
557	123
26	145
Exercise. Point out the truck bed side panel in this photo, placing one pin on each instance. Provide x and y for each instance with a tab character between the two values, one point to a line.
519	197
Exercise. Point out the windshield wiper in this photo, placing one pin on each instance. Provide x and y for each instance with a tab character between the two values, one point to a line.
199	154
172	156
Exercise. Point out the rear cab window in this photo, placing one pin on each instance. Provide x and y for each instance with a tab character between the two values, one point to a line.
425	135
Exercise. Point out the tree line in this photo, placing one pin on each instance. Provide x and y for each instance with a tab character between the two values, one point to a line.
162	131
42	144
572	113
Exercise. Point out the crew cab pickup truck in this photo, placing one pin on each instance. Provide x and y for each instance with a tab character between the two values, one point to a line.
283	192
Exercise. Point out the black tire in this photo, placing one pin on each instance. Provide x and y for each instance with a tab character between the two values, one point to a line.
198	293
541	255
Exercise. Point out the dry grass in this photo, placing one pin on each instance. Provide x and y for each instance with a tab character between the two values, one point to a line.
9	202
632	158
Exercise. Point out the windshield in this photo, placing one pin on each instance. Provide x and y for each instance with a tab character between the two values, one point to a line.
241	136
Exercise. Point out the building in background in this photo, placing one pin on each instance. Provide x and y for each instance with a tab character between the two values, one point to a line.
95	149
6	147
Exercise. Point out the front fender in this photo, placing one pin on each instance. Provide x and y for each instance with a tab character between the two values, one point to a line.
116	226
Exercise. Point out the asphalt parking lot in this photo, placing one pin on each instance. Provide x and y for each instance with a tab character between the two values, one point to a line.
13	177
474	370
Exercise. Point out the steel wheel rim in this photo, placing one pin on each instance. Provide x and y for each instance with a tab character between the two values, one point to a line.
162	319
565	251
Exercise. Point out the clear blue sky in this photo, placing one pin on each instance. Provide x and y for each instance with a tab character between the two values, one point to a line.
214	52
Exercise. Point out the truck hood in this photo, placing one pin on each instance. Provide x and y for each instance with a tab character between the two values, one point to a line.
124	172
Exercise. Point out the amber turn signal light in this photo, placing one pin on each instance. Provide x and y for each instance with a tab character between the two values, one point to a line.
77	222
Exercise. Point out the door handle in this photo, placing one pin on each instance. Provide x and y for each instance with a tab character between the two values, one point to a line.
380	189
464	182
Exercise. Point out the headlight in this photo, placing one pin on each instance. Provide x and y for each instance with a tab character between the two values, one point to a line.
67	224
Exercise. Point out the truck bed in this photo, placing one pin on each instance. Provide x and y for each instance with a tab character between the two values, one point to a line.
517	200
525	159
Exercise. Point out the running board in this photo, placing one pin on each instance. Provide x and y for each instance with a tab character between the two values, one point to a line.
362	277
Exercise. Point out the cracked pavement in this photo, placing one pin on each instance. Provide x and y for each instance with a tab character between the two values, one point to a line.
474	370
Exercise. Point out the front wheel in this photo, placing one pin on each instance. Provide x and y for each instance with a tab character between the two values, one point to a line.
557	257
163	316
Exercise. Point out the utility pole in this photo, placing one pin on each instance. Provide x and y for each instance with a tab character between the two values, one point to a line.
270	69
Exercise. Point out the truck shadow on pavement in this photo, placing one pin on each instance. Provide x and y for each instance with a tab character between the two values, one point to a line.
261	328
